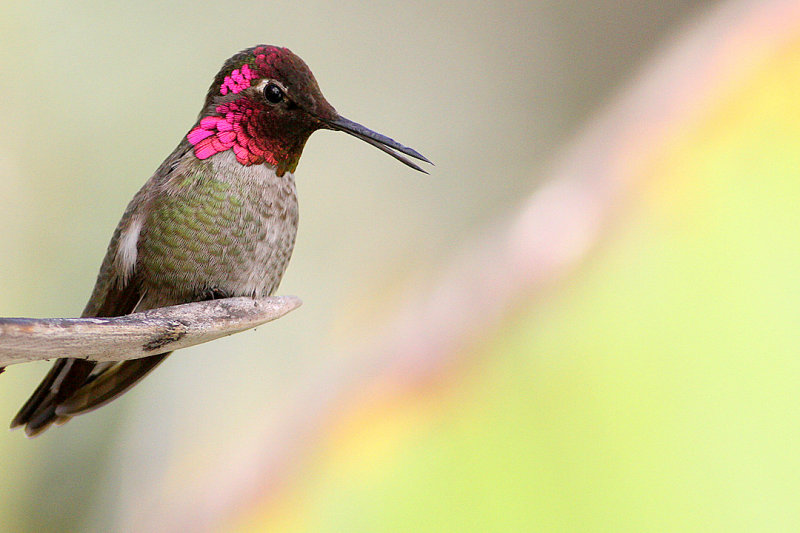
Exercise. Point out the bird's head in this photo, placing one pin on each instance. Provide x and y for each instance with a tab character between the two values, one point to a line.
264	104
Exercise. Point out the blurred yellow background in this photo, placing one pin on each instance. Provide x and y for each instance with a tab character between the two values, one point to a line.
585	319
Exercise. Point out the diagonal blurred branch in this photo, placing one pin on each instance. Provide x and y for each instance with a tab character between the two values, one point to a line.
136	335
517	260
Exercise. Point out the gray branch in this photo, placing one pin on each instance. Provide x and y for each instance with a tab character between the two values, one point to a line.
136	335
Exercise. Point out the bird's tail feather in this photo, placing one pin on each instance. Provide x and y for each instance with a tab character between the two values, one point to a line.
70	389
108	385
66	376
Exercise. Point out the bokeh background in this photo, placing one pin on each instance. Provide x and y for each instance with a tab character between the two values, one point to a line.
585	319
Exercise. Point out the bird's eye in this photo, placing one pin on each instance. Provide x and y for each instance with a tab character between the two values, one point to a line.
272	93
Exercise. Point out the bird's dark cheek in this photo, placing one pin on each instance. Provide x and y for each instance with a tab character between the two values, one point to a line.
269	123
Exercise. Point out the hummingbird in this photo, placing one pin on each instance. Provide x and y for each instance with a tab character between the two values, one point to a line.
217	219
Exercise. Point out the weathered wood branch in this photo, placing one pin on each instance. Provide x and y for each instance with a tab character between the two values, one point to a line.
136	335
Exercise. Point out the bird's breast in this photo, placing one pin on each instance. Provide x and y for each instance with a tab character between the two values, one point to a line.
231	230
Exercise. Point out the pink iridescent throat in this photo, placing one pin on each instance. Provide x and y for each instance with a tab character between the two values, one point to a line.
232	128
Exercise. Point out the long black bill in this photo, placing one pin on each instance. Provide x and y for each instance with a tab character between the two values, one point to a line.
378	141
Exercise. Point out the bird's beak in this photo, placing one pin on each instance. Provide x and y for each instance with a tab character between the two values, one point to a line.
390	146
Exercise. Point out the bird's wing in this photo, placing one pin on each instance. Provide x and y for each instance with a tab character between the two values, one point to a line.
70	375
114	294
81	385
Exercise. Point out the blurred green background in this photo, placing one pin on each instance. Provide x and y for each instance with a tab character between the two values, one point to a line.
653	388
